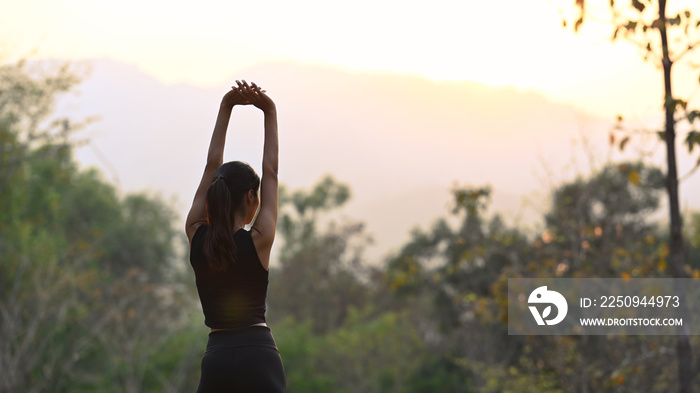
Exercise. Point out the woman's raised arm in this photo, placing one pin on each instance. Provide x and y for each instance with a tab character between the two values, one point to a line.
198	214
265	224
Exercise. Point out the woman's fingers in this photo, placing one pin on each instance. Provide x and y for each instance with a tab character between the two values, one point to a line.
257	88
243	84
251	93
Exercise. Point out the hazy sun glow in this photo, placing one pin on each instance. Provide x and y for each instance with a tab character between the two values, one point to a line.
506	42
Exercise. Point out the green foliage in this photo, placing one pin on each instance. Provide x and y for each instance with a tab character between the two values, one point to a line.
83	302
602	217
368	353
318	270
327	194
455	266
692	139
373	353
302	352
453	279
438	373
527	375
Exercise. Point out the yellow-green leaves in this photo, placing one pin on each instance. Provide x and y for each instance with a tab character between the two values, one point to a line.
633	177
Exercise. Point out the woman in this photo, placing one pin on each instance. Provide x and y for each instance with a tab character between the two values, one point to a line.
231	263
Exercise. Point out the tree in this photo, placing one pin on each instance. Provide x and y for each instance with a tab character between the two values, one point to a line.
599	227
319	271
37	296
454	278
600	220
664	41
446	276
87	285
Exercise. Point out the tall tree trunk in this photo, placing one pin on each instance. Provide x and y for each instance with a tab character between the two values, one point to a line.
683	348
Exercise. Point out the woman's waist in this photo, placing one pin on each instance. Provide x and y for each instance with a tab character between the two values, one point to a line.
258	335
233	319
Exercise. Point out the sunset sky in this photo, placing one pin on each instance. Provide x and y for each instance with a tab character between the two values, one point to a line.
498	43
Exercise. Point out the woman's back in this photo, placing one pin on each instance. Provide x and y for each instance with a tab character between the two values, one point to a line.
233	298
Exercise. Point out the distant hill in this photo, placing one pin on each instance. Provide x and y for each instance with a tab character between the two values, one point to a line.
400	141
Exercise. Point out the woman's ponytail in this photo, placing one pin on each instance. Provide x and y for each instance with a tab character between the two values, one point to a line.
225	197
219	247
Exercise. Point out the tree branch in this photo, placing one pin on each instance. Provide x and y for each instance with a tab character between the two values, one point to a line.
690	172
687	50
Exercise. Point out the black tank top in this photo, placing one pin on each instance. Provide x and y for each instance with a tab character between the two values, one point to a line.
234	298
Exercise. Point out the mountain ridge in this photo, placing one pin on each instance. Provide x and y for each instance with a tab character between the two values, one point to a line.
386	135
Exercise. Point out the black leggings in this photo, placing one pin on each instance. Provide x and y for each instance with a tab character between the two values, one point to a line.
242	360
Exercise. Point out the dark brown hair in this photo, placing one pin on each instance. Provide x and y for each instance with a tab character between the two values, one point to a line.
225	195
